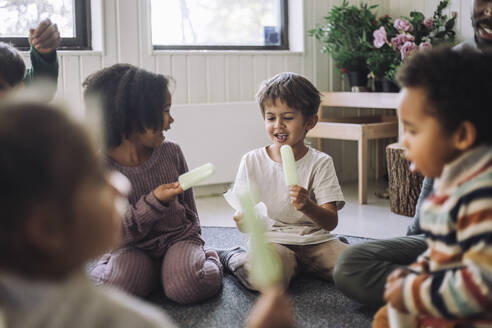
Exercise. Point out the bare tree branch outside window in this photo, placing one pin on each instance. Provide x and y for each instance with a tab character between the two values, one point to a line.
217	22
18	16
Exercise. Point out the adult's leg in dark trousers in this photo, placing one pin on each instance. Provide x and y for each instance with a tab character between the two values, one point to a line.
361	270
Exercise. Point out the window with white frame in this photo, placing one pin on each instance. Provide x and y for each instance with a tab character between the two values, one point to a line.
219	24
71	16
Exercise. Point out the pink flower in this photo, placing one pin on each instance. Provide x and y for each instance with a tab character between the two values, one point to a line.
425	45
398	41
407	49
428	22
379	37
403	25
343	70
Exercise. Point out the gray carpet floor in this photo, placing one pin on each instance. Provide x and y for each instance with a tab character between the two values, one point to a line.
316	302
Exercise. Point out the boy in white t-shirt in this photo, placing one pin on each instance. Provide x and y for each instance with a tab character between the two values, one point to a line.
300	216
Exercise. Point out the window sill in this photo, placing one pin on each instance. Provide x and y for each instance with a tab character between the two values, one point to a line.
73	52
226	52
80	53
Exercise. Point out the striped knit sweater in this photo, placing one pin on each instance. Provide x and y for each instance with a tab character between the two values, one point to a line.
453	278
148	224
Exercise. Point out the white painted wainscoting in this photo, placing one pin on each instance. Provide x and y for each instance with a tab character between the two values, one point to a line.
122	33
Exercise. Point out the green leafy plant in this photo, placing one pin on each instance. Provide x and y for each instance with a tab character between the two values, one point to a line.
393	41
347	35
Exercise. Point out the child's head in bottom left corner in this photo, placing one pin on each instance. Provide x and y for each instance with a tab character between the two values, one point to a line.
58	207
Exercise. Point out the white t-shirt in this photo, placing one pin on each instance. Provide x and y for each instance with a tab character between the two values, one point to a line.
316	174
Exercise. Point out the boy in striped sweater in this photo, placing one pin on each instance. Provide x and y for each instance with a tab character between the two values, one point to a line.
445	111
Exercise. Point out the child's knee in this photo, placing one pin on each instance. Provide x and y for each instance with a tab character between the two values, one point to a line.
194	285
128	269
211	278
340	267
345	267
289	263
186	292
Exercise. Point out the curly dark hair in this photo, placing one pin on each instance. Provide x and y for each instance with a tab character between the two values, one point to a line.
292	89
132	100
12	66
457	85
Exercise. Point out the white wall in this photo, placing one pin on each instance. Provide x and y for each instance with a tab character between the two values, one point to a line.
195	130
227	77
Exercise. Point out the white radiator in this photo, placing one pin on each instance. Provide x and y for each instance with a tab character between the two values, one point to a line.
217	133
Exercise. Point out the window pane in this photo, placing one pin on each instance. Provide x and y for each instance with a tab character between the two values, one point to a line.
18	16
216	22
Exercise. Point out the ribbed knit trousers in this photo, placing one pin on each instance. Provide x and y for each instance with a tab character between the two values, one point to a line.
187	274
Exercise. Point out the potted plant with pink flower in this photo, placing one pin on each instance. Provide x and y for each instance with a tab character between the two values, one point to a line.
395	40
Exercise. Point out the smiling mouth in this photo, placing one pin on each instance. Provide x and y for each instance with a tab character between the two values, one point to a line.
485	31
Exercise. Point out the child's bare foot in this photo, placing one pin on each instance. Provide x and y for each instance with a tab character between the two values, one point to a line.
212	253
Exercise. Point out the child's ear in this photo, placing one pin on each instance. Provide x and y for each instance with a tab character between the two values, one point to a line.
45	230
465	136
311	122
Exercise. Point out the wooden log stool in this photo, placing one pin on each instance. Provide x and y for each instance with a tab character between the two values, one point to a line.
404	186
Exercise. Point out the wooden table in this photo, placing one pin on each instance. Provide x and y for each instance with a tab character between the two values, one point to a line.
360	129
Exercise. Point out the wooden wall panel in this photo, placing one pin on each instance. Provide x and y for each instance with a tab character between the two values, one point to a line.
163	65
216	85
233	78
88	65
260	72
179	73
147	60
294	64
309	43
127	25
275	65
197	79
110	42
71	83
247	83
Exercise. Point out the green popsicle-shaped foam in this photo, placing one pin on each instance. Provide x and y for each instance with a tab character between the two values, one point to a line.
289	165
195	176
266	269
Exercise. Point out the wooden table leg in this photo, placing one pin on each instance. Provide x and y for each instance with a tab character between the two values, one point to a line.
362	157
